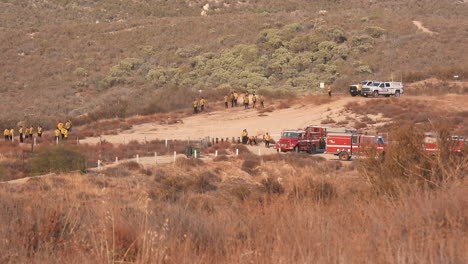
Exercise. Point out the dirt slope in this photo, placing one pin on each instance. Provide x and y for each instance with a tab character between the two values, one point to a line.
231	122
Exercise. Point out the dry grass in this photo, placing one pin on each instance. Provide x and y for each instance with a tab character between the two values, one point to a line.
296	208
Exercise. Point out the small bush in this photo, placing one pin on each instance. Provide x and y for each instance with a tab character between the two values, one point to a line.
60	158
329	120
116	172
131	165
272	186
250	164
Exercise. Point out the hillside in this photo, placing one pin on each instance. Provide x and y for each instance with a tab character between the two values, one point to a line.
68	58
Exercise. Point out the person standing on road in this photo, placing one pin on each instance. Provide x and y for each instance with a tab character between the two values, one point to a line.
60	125
359	89
245	136
262	100
267	140
12	134
20	131
202	104
57	134
31	132
246	101
226	104
236	96
39	131
232	99
329	90
195	106
254	100
6	134
68	125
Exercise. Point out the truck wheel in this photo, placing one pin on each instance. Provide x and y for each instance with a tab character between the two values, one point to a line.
376	93
343	156
311	149
397	94
387	95
353	94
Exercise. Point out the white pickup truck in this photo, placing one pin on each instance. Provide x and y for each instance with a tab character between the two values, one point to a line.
383	88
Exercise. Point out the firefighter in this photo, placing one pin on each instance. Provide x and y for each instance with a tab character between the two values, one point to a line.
202	104
57	134
195	106
246	101
60	125
20	131
329	90
245	136
6	134
64	133
252	141
267	140
39	131
12	134
232	99
254	100
262	100
359	89
68	125
236	96
31	132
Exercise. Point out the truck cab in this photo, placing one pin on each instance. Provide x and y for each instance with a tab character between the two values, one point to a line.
289	140
383	88
353	89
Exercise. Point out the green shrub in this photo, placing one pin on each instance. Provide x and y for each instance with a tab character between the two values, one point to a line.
375	32
60	158
364	69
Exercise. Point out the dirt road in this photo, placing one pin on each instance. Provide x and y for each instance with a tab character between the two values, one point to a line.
230	123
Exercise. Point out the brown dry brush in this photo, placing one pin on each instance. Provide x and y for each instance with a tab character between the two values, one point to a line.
405	162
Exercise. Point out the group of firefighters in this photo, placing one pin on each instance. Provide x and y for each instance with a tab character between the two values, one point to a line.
245	101
61	132
246	140
24	133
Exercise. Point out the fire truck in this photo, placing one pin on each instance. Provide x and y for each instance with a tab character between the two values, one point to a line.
311	140
346	145
456	144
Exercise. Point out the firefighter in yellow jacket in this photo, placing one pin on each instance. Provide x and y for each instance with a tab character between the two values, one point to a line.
235	98
57	134
6	134
21	131
195	106
39	131
31	132
60	125
202	104
12	134
226	104
245	136
267	140
254	100
246	101
329	90
64	133
262	101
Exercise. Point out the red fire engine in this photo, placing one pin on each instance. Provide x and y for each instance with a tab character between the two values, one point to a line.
346	145
455	143
310	140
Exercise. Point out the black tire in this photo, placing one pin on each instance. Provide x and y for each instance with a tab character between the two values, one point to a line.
311	149
387	95
353	94
277	150
397	94
344	156
376	93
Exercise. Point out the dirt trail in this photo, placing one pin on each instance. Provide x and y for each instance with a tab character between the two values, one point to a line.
420	26
230	123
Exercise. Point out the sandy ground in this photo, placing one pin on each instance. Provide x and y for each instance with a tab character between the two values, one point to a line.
230	123
420	26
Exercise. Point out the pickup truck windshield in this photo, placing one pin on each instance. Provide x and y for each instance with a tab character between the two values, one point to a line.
375	84
290	134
